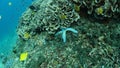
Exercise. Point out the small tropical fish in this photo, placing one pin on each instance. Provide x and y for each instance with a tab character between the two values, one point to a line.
23	56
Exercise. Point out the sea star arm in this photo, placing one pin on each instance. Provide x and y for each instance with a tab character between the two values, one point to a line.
72	30
64	36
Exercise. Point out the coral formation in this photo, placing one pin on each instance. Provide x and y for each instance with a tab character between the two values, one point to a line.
106	9
49	17
53	15
97	45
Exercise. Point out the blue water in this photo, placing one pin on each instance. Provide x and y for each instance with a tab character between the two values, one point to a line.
10	11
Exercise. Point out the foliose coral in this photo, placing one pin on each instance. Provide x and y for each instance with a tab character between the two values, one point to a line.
106	9
53	15
49	17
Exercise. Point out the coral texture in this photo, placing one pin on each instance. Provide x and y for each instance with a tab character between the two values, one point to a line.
95	22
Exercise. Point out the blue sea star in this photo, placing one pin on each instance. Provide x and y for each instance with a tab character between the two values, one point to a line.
63	32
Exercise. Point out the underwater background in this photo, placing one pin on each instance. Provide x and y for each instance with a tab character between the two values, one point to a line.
10	11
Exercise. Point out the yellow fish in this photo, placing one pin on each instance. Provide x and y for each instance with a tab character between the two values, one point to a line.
27	35
99	11
23	56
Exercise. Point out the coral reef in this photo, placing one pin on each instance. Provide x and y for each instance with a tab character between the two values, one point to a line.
53	15
99	9
97	45
49	17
